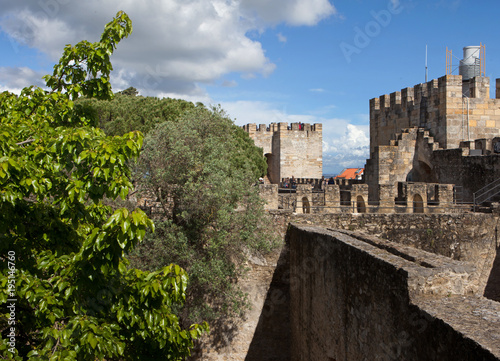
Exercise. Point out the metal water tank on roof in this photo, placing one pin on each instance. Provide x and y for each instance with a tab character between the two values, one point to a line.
470	65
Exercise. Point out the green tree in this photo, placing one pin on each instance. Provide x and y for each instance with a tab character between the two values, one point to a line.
130	91
203	169
62	249
126	112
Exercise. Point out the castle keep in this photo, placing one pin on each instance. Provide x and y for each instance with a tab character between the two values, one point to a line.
295	150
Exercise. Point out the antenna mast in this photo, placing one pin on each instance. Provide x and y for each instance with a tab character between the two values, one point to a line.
426	70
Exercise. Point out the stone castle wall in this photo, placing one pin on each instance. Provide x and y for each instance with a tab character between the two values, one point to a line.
400	197
295	150
359	298
444	131
438	106
470	173
471	238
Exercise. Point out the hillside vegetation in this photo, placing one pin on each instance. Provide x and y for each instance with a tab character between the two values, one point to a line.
202	169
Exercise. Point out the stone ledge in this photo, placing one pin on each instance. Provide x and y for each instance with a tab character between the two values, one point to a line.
476	318
384	299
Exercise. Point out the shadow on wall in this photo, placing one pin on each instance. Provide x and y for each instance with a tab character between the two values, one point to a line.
271	340
492	290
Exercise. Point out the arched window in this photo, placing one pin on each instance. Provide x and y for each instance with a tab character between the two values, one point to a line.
360	204
418	204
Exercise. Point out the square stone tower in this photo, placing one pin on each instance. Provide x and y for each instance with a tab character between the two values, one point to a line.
295	150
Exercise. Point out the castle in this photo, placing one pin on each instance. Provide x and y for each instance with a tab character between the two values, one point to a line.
435	133
433	146
393	266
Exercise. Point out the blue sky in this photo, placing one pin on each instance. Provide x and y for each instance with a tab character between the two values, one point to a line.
315	61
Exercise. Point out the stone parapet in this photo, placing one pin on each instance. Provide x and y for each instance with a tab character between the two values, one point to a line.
356	296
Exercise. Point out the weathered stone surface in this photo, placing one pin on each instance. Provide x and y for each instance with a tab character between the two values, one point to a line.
269	192
463	248
416	139
290	150
353	300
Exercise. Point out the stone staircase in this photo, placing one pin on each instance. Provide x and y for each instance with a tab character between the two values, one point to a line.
408	134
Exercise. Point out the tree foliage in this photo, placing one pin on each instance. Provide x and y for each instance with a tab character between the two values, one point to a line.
203	170
127	111
76	299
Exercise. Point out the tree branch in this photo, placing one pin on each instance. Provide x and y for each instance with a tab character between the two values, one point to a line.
29	140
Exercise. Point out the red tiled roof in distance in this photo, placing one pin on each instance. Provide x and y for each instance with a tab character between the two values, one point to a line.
351	173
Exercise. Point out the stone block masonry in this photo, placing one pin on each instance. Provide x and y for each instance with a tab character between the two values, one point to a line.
440	107
295	150
444	131
353	299
448	281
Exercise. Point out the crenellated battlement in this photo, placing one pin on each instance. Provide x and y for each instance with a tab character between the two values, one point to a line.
282	127
291	150
451	109
410	96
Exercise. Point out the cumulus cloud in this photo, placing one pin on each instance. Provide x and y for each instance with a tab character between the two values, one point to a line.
345	146
15	79
292	12
262	112
176	45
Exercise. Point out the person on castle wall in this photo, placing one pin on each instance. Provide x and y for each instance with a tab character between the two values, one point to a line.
331	181
323	183
294	183
286	184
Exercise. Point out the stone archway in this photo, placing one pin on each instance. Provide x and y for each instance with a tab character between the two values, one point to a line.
306	207
360	204
418	204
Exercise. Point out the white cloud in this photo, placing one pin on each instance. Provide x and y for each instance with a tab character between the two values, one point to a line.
281	38
261	112
345	146
15	79
292	12
176	45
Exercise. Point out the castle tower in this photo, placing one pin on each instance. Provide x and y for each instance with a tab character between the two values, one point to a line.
295	150
408	127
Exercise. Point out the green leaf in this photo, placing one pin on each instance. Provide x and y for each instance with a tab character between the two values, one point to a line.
91	340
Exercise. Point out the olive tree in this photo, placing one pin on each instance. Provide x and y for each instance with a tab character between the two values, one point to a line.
203	171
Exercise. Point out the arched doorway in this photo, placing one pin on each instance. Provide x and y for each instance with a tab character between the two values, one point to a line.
306	208
418	204
360	204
